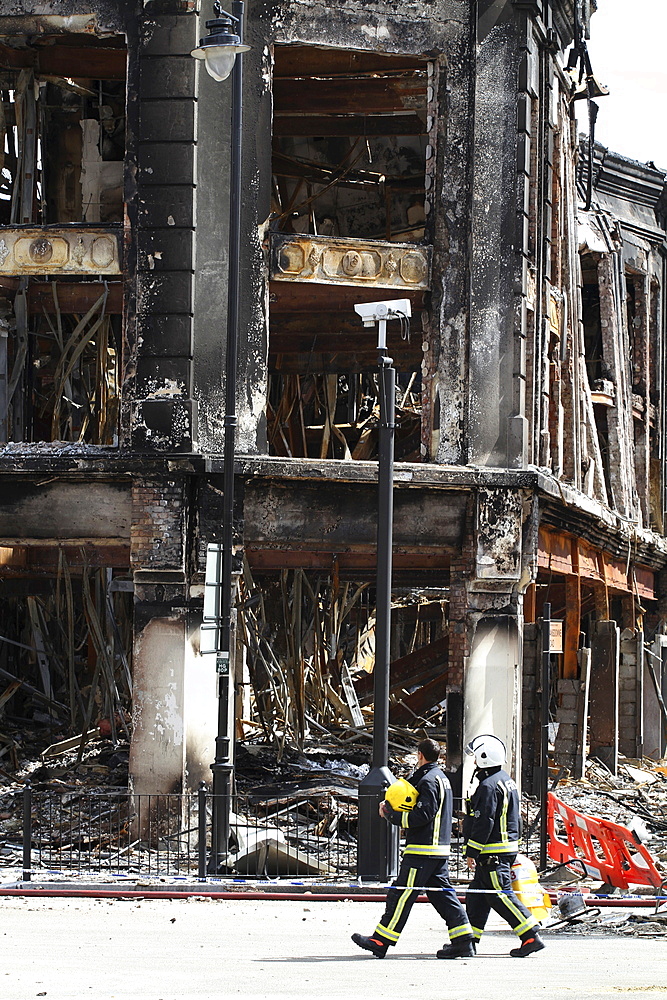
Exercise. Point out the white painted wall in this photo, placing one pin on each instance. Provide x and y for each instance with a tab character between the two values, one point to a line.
492	691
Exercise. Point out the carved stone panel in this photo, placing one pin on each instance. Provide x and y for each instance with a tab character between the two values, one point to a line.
498	535
59	251
331	261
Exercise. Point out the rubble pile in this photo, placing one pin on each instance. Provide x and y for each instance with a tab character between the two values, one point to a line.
648	924
101	765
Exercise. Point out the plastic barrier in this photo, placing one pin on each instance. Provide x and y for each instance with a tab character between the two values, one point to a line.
607	850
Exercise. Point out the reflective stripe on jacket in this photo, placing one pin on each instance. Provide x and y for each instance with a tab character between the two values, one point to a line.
428	826
493	822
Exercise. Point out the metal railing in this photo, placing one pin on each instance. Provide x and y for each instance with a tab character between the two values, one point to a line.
114	832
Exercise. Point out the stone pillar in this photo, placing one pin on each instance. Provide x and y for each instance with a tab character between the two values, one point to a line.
164	415
494	620
493	684
605	651
504	92
174	695
157	752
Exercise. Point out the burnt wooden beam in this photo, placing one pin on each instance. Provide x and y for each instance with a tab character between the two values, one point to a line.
307	60
42	558
294	297
419	702
85	62
417	667
332	341
374	95
74	296
286	124
341	362
350	564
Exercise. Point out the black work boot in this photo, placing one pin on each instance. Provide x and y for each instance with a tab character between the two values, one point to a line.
376	946
465	948
530	943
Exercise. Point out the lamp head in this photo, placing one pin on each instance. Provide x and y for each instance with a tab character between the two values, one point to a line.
219	48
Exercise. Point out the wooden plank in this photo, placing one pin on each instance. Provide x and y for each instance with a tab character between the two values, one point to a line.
331	342
374	95
304	789
65	509
615	573
74	296
349	125
420	701
572	626
293	297
310	60
77	62
340	363
644	583
555	551
273	560
9	692
407	670
588	561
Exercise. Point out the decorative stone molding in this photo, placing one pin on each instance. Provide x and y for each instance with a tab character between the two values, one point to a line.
331	261
34	250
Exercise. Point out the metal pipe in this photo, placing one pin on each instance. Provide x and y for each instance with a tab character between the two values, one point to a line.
544	732
342	895
223	766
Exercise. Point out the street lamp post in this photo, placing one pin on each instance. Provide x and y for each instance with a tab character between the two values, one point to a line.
222	49
377	856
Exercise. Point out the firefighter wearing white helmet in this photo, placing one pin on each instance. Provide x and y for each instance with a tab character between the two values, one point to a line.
491	833
422	807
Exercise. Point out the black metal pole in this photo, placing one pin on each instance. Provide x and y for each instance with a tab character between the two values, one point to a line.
27	832
201	828
378	840
387	385
223	766
544	732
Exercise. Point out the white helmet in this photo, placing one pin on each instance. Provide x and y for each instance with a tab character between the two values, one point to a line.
488	751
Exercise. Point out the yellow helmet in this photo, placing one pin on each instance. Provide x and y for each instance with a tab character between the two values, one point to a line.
401	795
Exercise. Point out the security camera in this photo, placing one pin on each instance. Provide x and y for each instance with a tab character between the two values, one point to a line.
372	312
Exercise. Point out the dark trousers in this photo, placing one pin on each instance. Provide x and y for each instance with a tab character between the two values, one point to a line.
419	873
493	879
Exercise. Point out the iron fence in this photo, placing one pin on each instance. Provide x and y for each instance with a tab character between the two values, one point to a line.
115	832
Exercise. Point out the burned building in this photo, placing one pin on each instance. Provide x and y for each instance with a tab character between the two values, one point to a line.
424	151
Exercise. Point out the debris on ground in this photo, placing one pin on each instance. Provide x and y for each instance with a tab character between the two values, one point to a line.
648	924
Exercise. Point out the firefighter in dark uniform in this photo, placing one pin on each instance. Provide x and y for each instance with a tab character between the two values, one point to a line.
427	825
491	832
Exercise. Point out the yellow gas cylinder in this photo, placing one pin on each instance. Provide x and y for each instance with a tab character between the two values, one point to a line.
527	887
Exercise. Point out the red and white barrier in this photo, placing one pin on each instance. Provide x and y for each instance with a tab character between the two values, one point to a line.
607	850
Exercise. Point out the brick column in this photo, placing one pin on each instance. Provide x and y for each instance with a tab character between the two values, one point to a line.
174	703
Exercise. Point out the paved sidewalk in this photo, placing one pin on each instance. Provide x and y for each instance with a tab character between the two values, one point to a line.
170	950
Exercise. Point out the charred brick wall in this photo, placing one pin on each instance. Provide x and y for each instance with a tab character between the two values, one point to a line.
158	514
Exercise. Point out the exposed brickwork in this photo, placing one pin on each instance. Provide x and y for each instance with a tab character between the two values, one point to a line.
461	570
156	535
529	709
627	708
